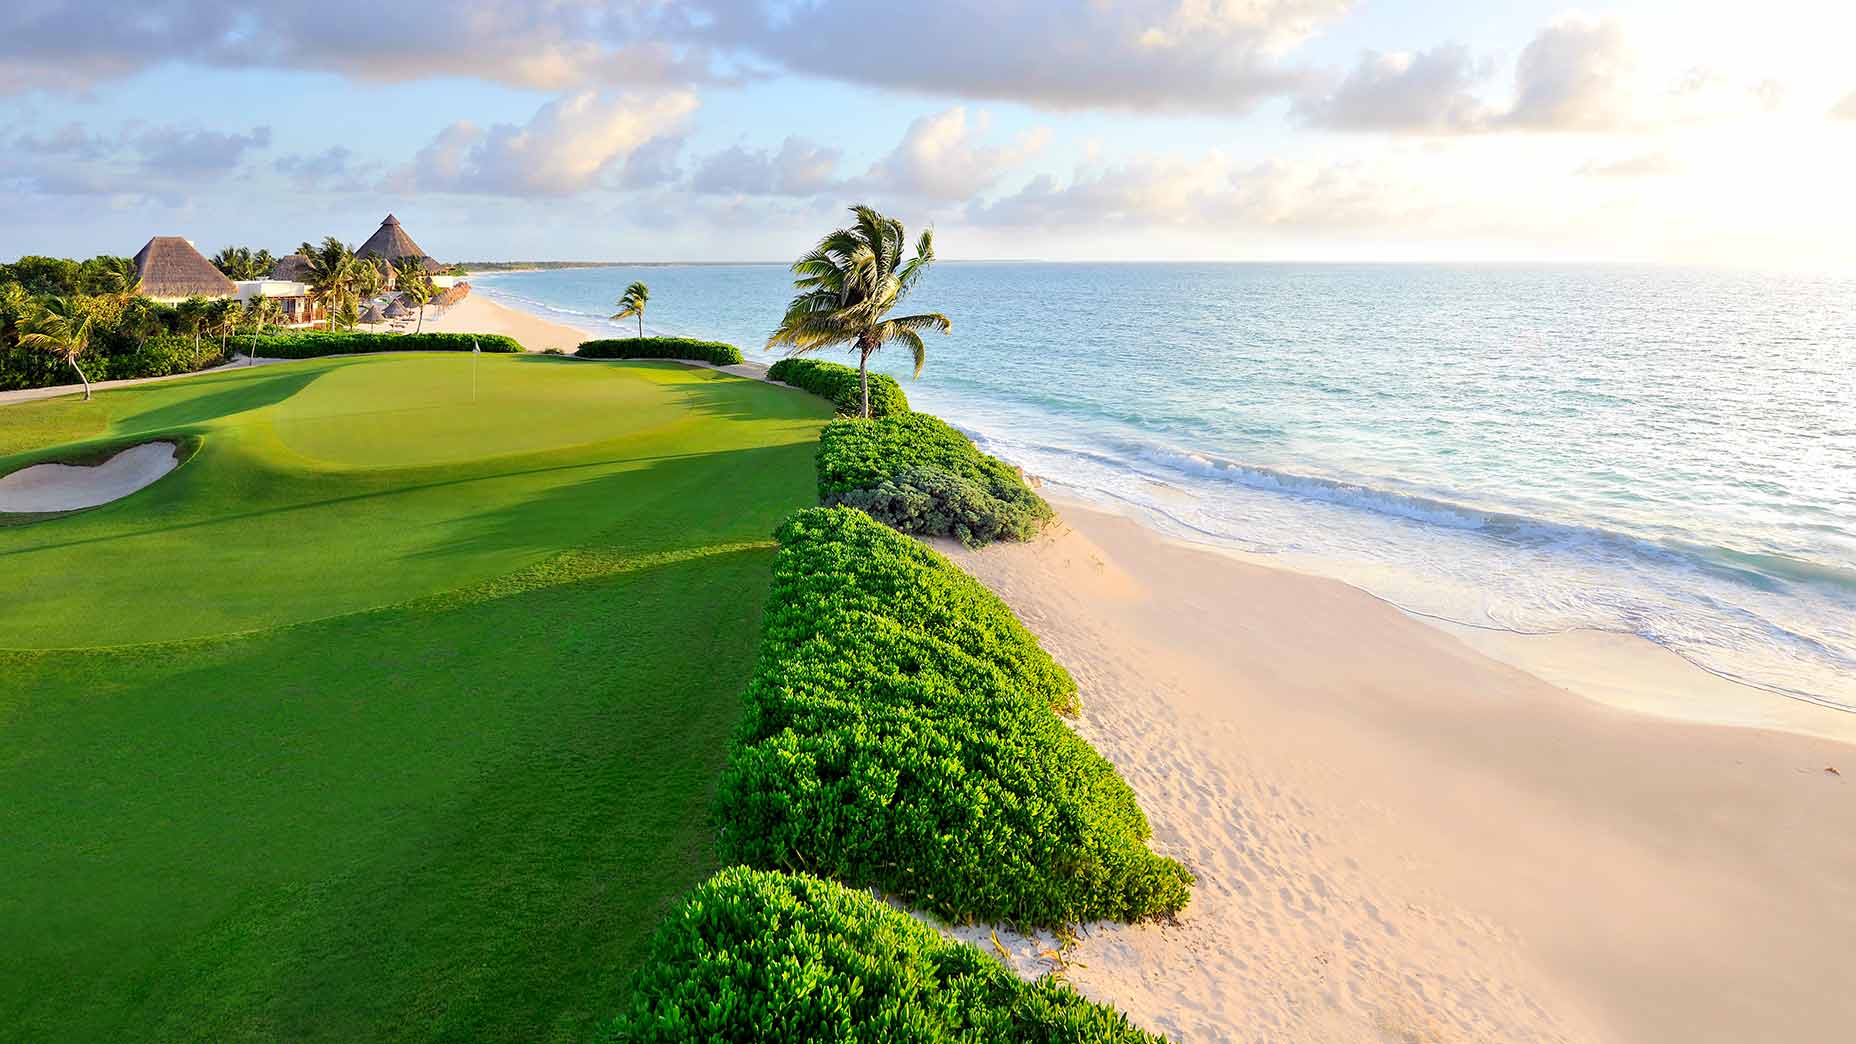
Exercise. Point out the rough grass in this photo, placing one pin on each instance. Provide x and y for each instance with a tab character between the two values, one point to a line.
387	716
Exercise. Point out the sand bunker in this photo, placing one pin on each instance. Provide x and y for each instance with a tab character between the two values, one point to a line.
68	487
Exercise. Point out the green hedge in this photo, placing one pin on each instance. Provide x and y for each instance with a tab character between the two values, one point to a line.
919	474
660	348
310	344
888	750
839	384
836	559
791	959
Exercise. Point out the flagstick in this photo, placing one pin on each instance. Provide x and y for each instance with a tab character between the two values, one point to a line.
475	350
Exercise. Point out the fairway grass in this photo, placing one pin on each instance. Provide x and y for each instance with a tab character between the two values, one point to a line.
388	715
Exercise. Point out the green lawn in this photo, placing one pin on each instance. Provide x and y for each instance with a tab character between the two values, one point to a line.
388	715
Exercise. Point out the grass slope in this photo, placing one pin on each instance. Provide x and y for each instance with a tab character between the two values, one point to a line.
429	707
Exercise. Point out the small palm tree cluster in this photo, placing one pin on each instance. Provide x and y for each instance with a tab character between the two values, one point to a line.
847	286
239	262
339	281
632	302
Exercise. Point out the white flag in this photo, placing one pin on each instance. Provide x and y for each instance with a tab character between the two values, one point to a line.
475	348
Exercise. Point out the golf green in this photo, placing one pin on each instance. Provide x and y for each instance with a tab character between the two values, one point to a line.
391	714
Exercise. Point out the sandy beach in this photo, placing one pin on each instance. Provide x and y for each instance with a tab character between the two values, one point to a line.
1399	838
478	314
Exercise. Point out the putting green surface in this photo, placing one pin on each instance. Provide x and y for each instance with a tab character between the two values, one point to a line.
388	715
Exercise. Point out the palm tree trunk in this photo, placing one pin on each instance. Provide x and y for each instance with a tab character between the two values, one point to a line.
641	324
863	378
81	377
417	330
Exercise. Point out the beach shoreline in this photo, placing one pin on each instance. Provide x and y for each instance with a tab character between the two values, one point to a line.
1398	837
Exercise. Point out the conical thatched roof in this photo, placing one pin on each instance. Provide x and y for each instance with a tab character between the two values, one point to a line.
171	270
294	268
396	309
372	315
390	242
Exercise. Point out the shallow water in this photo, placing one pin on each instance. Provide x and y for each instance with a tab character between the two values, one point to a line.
1663	452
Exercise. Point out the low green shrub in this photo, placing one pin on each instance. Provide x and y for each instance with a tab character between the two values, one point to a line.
786	959
838	559
919	474
886	749
839	383
310	344
165	355
660	348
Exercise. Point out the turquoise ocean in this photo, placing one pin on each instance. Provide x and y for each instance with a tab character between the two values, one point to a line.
1663	452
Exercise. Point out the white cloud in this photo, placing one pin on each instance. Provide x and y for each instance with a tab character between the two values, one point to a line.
169	162
1425	92
1845	109
944	157
1192	55
798	168
1576	75
569	145
1209	194
556	45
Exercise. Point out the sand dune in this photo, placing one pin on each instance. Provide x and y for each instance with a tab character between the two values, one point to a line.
1400	839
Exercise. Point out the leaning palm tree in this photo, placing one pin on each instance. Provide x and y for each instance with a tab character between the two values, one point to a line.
419	293
846	287
61	326
632	302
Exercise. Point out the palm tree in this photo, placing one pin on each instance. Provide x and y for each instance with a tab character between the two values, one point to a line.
330	275
239	262
61	326
632	303
415	285
368	282
224	317
126	279
194	313
260	313
848	284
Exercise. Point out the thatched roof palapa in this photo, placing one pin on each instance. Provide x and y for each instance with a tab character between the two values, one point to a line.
390	242
172	270
293	268
372	315
396	309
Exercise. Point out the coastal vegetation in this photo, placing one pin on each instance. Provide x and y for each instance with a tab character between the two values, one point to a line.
386	716
660	348
888	749
844	386
62	328
242	262
921	475
310	344
632	302
45	302
792	959
847	286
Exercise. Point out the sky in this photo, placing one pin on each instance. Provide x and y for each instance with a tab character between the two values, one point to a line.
1709	131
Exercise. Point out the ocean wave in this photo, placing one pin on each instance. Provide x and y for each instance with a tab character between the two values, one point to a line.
1756	568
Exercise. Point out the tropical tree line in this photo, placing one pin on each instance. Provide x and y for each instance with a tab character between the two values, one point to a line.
339	281
65	321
